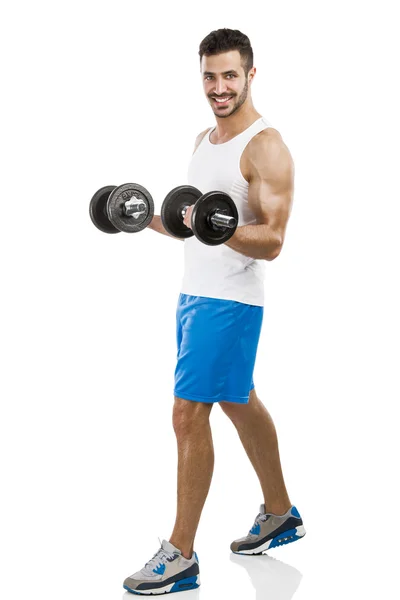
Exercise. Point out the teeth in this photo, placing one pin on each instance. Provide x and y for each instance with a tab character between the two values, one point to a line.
222	99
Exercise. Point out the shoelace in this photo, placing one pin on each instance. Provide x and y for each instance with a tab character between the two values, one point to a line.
159	558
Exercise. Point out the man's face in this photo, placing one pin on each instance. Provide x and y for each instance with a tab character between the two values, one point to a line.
224	79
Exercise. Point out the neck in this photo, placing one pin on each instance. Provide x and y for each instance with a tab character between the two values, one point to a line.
238	122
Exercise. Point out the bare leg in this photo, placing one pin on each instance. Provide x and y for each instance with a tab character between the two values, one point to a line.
195	469
257	433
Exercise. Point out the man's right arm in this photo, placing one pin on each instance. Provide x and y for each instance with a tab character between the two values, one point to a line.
156	223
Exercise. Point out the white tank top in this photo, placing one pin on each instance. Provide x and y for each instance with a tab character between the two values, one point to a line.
219	271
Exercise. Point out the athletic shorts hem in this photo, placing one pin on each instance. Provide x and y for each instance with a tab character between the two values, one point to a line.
237	399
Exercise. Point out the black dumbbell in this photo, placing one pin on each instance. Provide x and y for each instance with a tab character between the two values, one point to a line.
214	218
128	207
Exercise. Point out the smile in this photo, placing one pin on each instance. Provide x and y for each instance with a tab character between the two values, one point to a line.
222	100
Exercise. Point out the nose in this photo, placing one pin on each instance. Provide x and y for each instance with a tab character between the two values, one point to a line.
220	87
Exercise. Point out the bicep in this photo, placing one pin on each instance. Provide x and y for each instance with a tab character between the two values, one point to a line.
270	204
270	194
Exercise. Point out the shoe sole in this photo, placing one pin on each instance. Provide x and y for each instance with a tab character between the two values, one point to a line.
190	583
286	537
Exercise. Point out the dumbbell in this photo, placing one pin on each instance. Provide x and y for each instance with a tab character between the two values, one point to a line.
214	218
128	207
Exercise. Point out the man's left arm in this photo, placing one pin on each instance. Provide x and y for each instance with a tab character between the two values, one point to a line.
270	197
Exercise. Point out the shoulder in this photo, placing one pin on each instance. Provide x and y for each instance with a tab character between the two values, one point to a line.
268	143
268	156
200	137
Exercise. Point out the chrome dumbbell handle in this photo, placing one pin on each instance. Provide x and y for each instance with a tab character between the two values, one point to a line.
134	207
184	210
218	218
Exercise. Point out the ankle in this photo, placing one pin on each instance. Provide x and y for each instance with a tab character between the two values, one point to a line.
185	548
278	510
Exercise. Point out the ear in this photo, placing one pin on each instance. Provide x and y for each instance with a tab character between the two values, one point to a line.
252	73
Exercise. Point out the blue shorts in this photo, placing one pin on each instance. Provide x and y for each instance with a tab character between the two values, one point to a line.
217	346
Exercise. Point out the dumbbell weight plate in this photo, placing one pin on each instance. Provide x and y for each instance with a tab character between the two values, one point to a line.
208	204
98	210
116	207
171	210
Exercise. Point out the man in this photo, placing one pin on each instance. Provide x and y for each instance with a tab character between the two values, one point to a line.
220	313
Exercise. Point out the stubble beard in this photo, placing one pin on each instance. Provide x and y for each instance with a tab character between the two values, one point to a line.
235	108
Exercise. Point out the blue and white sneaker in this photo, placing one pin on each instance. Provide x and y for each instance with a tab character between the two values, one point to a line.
168	571
270	531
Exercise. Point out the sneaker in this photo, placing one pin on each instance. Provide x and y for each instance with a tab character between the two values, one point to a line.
270	531
167	571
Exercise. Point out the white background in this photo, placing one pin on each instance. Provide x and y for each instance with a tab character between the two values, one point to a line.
98	93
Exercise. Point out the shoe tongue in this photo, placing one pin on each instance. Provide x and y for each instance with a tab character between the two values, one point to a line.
262	509
168	547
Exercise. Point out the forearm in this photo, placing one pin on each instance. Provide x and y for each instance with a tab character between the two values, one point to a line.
256	241
156	225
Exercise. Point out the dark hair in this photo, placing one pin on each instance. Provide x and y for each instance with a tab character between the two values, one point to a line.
224	40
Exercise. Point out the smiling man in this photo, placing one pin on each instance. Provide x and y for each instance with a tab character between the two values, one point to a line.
220	313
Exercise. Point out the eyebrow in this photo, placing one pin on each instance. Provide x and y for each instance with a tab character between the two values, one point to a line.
224	73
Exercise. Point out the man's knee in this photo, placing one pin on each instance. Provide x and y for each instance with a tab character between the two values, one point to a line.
189	416
238	412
